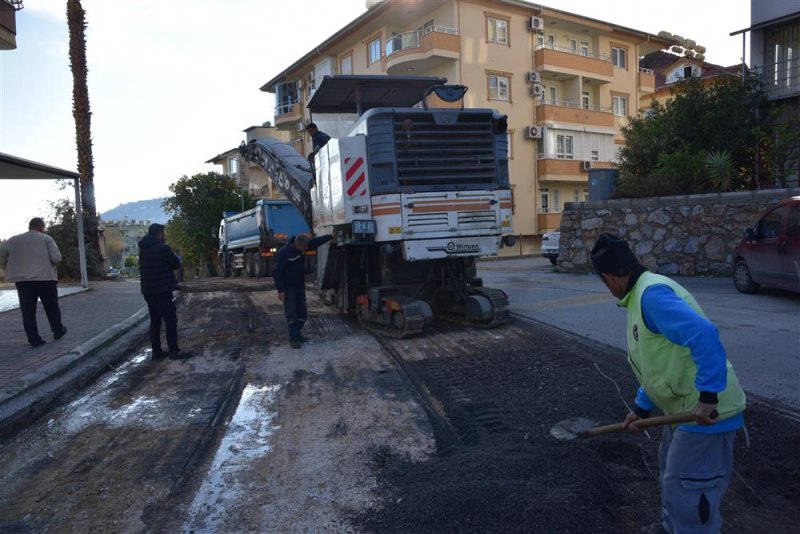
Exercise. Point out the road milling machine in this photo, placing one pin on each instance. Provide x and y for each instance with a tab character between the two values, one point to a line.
413	194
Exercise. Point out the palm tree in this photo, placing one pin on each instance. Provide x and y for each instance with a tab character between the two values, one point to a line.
76	21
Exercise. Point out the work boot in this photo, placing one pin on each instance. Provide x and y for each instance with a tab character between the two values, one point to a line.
179	355
37	342
302	339
60	333
158	355
295	343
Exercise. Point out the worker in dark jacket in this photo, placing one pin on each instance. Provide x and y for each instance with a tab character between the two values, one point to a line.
318	139
156	265
290	277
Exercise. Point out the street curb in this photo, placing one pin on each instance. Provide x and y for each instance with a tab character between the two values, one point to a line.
40	389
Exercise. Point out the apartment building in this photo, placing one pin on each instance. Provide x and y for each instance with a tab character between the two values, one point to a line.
775	58
249	176
670	69
566	82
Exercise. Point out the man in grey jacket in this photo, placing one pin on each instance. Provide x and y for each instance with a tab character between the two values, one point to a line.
30	261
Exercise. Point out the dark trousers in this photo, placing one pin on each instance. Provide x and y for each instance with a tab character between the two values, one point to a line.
29	293
161	307
294	307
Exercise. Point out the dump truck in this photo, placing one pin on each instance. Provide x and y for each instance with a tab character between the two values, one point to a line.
249	240
413	194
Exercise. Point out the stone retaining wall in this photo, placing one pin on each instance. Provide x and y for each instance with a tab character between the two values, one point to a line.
691	234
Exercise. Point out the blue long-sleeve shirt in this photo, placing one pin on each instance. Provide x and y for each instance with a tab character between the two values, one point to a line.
667	314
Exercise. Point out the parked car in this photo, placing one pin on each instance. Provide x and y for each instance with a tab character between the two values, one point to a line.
550	243
769	254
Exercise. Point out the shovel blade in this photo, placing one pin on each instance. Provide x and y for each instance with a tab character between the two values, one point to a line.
570	429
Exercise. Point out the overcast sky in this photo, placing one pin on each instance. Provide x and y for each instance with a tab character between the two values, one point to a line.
172	83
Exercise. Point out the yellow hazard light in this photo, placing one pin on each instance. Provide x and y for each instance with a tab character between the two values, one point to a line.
395	230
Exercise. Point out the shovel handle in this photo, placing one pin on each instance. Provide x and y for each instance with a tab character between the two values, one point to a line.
658	420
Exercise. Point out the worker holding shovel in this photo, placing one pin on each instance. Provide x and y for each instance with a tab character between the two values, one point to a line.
676	354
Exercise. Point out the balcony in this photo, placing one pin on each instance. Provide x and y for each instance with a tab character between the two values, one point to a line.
548	219
781	79
287	114
647	80
551	61
563	111
421	50
8	23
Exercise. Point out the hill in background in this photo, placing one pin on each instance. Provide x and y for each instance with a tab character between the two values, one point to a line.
141	210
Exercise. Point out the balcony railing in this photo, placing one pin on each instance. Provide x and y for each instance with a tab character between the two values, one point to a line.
285	107
407	40
549	210
780	79
574	51
647	71
576	105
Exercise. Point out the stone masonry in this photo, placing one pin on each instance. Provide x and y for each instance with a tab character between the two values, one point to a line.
691	234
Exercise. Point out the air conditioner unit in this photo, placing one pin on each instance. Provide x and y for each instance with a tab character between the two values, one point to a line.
586	165
300	127
534	132
532	77
536	90
536	24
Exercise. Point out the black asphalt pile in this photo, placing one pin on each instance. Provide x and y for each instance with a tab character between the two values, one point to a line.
502	471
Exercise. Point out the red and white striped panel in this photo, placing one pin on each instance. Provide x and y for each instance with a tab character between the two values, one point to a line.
355	178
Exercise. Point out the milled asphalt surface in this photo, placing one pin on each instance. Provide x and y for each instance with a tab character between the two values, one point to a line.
761	332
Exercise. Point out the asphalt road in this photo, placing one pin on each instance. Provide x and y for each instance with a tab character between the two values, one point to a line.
761	332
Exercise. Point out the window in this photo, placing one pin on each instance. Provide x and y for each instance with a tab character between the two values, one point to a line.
233	166
539	40
584	48
551	41
544	194
770	225
346	64
573	46
510	139
374	50
555	206
310	85
793	226
564	146
585	100
619	57
576	195
497	30
427	27
540	146
585	195
498	88
620	105
553	94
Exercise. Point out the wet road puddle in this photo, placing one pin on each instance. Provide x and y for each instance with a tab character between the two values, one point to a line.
247	438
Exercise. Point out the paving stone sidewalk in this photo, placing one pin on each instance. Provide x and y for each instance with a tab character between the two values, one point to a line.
92	317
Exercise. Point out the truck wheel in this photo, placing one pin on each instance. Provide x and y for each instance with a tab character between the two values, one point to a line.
554	261
249	268
224	267
260	266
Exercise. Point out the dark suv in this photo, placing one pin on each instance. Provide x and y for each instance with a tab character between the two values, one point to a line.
769	255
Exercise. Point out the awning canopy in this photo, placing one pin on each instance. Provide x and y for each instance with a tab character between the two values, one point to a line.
14	168
360	93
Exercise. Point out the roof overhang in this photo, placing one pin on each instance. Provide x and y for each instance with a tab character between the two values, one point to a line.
14	168
359	93
771	22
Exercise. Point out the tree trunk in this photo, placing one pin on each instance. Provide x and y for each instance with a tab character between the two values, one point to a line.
76	21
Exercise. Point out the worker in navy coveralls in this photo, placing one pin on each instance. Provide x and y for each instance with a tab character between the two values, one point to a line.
290	277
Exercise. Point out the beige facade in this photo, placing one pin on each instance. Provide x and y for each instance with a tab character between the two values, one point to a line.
250	177
573	78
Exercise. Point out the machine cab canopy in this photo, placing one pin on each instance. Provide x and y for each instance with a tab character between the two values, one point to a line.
360	93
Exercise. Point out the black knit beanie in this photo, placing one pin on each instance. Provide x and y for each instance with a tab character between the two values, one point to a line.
611	255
